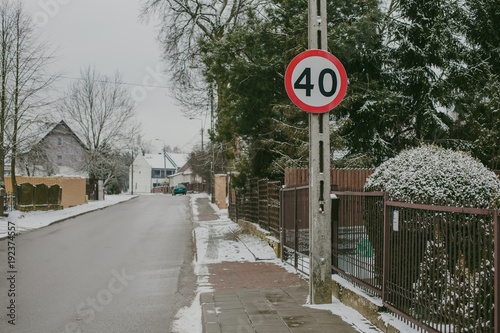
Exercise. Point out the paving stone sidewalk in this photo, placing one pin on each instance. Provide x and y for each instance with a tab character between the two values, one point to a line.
251	297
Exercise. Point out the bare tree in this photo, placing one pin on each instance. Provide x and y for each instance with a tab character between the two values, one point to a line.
29	81
24	58
101	112
183	25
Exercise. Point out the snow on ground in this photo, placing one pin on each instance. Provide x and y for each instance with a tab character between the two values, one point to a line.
215	243
27	221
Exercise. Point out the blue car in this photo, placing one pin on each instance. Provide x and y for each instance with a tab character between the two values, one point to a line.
179	189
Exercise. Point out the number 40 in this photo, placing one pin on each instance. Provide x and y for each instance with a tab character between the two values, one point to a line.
308	86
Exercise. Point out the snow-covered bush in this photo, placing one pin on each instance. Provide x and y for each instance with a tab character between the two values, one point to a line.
434	173
442	280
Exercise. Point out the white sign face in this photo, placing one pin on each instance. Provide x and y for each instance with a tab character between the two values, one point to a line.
395	220
316	81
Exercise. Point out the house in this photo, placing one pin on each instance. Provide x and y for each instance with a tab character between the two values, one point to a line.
54	150
184	176
151	170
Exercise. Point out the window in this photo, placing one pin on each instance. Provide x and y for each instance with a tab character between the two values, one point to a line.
59	160
59	141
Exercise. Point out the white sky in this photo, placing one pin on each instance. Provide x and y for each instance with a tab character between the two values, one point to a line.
108	34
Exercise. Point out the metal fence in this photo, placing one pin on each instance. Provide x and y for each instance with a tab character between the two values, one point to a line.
258	203
295	227
357	237
432	264
9	202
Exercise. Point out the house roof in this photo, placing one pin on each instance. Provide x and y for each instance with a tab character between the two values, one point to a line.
178	159
171	161
46	128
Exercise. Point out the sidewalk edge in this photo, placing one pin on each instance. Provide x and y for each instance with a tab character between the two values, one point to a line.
70	217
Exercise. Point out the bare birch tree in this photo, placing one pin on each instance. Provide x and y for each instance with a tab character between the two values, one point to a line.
101	112
30	81
24	58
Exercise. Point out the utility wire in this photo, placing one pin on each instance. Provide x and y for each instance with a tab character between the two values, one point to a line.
124	83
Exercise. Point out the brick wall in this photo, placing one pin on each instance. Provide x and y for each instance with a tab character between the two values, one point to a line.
73	188
220	191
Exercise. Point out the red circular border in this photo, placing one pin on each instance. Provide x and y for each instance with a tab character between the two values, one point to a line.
335	62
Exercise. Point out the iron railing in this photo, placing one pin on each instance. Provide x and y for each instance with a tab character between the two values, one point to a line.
435	265
432	264
295	227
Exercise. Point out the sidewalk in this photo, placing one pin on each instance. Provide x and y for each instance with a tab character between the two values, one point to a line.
251	295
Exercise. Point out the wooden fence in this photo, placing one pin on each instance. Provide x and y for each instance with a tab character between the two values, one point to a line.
340	179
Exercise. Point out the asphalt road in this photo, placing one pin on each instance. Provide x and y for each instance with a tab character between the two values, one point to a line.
126	268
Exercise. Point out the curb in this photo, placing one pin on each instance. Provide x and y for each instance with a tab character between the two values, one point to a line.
265	235
368	307
70	217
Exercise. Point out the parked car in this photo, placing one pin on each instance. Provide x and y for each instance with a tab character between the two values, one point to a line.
179	189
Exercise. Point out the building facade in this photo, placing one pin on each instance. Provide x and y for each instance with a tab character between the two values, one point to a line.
152	170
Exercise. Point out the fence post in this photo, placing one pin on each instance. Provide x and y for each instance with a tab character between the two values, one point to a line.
281	223
335	230
386	248
497	273
2	201
295	232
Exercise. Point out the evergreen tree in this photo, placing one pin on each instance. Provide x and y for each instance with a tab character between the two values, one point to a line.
433	280
477	82
425	44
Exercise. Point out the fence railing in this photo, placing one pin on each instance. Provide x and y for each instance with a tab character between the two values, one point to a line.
9	202
295	227
434	265
258	203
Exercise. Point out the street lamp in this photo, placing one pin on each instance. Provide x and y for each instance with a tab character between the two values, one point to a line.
164	161
201	121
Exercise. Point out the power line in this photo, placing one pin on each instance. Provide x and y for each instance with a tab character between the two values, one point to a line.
124	83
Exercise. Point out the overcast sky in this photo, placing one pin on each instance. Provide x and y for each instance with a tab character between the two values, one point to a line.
108	34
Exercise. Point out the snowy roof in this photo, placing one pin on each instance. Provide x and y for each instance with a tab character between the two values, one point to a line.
43	129
178	159
172	161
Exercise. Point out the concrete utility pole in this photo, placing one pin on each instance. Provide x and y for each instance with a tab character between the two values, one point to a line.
320	249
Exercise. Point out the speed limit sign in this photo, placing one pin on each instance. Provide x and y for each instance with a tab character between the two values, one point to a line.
316	81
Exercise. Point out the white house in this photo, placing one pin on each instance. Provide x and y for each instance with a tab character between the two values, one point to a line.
151	170
184	176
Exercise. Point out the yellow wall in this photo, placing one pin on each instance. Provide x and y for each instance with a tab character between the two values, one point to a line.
73	188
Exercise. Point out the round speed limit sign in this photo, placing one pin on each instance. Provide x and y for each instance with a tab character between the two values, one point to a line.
316	81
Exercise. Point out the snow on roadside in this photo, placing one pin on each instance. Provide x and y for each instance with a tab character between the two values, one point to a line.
27	221
217	233
215	242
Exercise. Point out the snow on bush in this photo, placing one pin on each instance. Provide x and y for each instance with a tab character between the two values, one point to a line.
434	173
454	274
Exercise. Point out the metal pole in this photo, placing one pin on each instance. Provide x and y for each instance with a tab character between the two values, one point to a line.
320	247
132	176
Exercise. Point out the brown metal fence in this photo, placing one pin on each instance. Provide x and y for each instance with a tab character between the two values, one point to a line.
357	237
295	227
258	203
432	264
